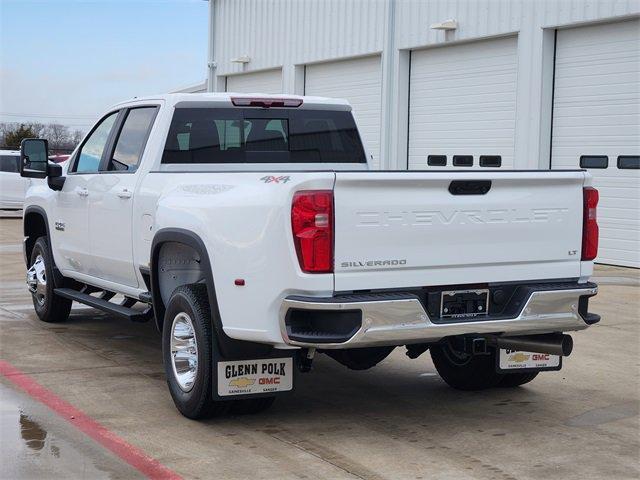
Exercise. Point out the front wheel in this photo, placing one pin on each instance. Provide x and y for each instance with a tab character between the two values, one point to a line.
464	371
49	307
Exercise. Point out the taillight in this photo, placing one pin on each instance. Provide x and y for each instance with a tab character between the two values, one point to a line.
312	225
590	224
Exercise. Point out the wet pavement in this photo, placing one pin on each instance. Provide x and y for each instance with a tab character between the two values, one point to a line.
395	421
38	445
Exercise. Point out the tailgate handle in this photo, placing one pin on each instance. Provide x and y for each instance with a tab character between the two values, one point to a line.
469	187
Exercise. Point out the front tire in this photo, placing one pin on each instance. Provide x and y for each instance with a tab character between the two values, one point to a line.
463	371
49	307
187	350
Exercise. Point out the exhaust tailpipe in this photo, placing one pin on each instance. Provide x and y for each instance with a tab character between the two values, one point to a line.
551	343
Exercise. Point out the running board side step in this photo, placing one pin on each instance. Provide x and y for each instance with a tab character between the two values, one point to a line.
121	310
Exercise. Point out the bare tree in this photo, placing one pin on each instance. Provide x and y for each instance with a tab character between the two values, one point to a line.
60	137
77	137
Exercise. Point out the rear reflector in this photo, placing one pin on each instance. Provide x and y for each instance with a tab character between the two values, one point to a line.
266	102
312	226
590	224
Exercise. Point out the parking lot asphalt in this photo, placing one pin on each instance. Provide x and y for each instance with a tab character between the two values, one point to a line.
395	421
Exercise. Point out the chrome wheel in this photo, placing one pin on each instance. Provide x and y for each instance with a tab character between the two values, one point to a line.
37	280
184	351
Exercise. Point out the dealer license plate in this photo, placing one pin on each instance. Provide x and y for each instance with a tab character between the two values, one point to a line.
518	360
464	303
248	377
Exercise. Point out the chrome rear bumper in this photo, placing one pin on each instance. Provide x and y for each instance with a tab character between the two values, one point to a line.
403	320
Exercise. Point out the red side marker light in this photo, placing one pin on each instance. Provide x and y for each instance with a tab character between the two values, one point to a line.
239	282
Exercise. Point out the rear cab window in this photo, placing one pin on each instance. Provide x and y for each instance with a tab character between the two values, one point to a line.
252	135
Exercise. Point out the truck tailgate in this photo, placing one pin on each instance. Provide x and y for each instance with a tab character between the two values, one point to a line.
406	229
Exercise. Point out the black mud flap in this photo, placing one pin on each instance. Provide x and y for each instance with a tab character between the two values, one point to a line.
267	376
514	361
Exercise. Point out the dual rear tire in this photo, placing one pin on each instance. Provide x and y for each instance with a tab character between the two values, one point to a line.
473	372
188	344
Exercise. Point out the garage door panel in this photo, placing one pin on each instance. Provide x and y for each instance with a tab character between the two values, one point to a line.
618	91
596	111
604	133
462	102
452	117
619	244
618	257
268	81
436	127
614	233
623	202
466	79
588	119
358	81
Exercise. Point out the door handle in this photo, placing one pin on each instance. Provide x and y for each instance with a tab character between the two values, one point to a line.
124	193
83	192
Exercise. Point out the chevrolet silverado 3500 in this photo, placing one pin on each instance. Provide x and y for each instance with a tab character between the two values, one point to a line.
251	230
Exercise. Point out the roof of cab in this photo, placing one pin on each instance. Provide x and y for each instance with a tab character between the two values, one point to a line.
173	99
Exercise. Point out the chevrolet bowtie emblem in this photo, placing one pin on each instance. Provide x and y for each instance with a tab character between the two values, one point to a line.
241	382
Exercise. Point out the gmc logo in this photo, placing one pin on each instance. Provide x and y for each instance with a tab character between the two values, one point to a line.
269	381
540	357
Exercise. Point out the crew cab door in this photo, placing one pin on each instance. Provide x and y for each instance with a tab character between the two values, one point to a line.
111	198
70	236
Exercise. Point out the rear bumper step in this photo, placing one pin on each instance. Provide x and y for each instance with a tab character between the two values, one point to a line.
400	318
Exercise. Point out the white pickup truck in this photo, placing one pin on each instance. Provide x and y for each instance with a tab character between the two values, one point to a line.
251	230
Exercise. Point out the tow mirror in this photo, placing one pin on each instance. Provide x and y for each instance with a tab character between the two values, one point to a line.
34	155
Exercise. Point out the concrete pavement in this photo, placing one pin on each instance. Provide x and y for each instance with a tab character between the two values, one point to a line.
395	421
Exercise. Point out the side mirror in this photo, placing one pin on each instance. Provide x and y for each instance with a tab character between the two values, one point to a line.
34	155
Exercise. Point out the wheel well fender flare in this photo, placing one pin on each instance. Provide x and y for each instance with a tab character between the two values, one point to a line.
192	240
32	220
229	348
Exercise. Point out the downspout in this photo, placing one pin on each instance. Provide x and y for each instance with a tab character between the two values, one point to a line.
211	62
387	160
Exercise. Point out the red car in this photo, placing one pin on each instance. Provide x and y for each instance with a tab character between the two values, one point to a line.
58	158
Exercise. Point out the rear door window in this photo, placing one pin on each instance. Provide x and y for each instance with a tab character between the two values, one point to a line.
236	135
132	139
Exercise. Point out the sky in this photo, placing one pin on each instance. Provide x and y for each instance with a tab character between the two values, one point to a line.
67	61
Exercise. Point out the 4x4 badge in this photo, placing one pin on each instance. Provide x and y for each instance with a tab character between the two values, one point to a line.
273	179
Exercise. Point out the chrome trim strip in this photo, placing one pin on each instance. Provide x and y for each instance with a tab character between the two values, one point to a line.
404	321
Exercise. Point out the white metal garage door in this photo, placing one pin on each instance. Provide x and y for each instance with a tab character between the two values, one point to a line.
596	116
359	81
462	105
268	81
